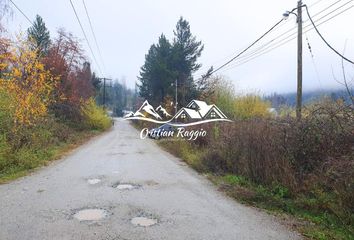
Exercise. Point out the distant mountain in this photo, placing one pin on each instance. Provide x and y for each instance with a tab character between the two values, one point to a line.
162	112
146	110
278	100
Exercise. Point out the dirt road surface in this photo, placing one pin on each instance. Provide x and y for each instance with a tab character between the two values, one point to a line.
126	188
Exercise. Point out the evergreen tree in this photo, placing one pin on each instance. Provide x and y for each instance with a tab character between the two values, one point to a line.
186	51
39	35
96	82
166	62
157	75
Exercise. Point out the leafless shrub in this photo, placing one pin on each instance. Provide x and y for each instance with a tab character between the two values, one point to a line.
308	157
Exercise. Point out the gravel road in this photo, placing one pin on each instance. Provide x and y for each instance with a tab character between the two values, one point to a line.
118	186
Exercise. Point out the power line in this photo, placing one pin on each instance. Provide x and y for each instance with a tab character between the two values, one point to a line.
231	60
83	31
279	45
261	48
295	33
281	42
232	54
94	35
309	46
315	3
259	55
313	62
318	32
28	19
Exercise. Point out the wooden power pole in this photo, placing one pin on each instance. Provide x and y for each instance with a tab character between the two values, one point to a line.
104	90
299	61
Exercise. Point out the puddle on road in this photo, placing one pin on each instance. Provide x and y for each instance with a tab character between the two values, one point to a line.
143	221
151	183
93	181
116	153
92	214
125	186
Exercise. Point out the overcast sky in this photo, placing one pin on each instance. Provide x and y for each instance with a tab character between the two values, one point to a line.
126	29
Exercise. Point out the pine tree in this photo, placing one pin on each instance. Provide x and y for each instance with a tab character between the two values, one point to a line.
186	50
157	75
96	82
39	35
166	62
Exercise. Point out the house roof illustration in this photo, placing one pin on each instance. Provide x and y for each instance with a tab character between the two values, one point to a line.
193	114
200	110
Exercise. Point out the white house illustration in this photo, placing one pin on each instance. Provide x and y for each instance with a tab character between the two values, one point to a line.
199	110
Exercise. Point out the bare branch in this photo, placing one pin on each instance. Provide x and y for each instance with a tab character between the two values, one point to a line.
347	87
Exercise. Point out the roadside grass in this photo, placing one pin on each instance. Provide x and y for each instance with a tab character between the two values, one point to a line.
183	150
313	224
29	159
300	212
25	146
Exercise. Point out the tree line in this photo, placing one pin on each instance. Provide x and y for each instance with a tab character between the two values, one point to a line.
63	56
168	62
47	96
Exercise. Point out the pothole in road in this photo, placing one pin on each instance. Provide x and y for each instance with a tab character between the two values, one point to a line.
125	186
116	153
143	221
93	181
91	214
151	183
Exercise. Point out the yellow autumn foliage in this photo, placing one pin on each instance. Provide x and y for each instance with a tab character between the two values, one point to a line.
95	117
221	92
251	106
23	76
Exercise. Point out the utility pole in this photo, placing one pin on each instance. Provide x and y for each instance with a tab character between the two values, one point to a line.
104	90
299	61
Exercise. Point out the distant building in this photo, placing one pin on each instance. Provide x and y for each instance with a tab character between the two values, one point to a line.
199	110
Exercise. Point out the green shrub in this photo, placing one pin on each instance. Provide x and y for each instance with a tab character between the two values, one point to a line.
280	191
6	124
235	180
5	153
6	112
224	97
24	147
95	117
29	157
